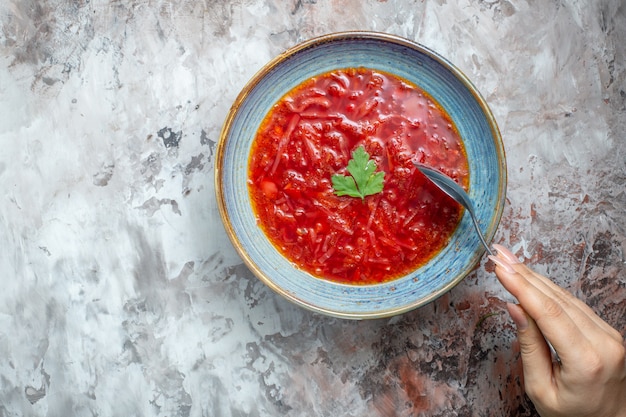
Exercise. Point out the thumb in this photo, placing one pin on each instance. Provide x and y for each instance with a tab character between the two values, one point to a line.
536	357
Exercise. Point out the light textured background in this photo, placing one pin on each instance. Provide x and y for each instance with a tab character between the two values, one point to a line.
120	292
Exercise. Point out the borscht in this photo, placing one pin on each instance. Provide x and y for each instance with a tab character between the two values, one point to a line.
332	179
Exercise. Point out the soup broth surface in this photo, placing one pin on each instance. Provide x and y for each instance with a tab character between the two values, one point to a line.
310	135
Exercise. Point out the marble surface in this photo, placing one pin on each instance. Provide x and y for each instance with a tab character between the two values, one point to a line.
121	294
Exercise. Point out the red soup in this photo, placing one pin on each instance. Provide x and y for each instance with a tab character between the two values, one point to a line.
313	133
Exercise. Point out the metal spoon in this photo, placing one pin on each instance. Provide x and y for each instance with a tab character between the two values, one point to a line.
458	194
454	190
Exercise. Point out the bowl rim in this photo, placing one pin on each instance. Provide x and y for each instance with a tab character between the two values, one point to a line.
312	43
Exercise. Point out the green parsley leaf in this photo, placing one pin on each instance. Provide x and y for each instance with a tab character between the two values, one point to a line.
364	179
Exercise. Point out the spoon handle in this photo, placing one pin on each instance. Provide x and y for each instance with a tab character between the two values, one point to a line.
480	233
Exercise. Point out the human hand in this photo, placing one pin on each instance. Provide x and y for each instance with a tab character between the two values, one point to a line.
589	380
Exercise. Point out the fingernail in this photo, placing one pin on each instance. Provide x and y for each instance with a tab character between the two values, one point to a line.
518	315
506	254
502	264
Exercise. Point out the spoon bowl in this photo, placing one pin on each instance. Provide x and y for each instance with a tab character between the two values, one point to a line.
457	193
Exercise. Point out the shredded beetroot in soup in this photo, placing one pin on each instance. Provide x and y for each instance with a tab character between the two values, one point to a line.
311	134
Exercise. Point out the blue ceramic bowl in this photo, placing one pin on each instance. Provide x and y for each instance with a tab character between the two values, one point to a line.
411	61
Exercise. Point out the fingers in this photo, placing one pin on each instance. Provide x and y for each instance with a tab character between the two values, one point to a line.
550	313
536	356
578	310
